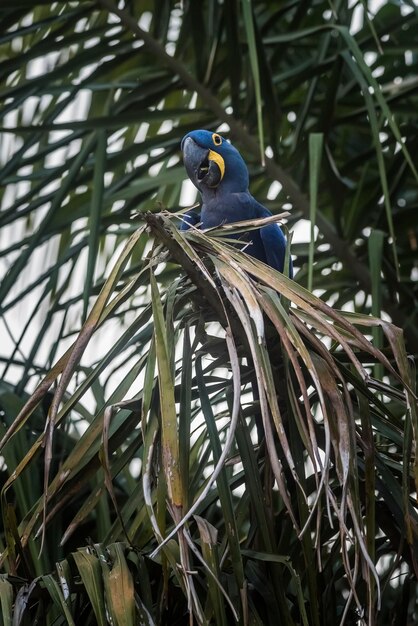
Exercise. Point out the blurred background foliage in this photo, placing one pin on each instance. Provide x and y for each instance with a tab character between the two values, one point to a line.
321	100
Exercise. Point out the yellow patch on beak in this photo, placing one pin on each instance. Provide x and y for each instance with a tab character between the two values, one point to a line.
215	156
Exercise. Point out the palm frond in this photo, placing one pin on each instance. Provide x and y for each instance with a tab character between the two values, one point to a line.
296	417
320	464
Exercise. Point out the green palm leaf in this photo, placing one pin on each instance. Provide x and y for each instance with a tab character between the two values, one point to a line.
251	443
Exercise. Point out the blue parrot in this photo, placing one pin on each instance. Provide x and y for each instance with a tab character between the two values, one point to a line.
219	172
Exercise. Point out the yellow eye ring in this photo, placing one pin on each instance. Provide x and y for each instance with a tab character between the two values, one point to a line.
217	139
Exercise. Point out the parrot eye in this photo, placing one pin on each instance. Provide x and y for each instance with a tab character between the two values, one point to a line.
217	139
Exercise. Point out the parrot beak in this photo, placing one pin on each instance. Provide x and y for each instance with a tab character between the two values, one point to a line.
204	167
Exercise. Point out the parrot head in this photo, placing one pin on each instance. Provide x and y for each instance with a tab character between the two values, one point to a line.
212	163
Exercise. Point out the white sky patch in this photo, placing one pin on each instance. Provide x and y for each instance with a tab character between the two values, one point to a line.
155	169
76	110
378	71
140	160
188	194
142	132
173	160
274	190
165	127
223	128
405	9
144	20
302	232
370	57
357	16
135	467
193	100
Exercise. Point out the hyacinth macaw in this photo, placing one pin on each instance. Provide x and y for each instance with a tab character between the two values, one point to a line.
219	172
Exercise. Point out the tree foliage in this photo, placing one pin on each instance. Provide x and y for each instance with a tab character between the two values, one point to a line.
149	374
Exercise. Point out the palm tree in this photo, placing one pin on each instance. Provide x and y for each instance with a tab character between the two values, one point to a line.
188	435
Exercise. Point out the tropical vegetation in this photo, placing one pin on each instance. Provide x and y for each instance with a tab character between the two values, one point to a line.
187	435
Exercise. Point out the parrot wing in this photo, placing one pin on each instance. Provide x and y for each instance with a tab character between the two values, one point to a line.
273	240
